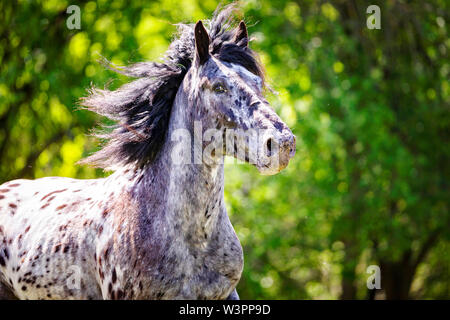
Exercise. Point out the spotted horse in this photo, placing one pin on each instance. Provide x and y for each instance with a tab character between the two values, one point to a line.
156	228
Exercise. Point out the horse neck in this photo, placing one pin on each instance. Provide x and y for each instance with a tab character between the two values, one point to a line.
189	196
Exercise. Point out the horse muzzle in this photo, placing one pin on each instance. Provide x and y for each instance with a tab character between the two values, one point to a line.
277	151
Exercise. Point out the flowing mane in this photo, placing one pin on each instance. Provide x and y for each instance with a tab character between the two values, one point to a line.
142	107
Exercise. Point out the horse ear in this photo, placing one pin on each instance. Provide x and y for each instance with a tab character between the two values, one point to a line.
201	43
241	34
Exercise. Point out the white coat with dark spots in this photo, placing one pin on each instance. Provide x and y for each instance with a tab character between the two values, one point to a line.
154	229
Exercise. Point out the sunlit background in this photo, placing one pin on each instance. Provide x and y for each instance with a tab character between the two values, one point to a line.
370	108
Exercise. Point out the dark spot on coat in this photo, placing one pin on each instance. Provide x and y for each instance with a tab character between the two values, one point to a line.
57	191
119	294
13	205
114	276
106	253
6	253
2	197
74	204
101	274
278	125
61	207
4	190
57	247
251	109
2	262
14	185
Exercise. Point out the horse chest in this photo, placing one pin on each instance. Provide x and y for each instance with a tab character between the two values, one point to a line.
191	278
175	270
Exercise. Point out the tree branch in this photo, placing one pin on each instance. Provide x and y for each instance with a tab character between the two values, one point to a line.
428	244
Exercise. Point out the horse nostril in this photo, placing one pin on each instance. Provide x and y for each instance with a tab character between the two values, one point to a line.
269	145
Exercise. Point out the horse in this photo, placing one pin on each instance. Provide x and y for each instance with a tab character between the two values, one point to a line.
157	227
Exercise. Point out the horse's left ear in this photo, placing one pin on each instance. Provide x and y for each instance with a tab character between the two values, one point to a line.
241	35
201	43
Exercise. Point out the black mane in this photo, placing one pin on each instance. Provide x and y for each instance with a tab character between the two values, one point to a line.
142	108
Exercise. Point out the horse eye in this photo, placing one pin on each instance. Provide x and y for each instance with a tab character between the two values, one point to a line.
219	88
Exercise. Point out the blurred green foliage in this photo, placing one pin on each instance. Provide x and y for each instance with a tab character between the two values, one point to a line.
370	109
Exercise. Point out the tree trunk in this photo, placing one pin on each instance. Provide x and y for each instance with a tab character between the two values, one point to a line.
349	273
397	277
